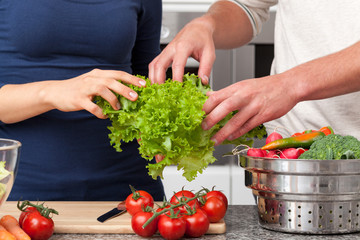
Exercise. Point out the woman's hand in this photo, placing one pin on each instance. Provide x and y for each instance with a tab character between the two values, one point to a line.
23	101
77	93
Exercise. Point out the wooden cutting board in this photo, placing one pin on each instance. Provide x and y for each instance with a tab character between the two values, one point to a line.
80	217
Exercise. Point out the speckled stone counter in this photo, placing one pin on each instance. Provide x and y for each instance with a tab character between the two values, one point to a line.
241	223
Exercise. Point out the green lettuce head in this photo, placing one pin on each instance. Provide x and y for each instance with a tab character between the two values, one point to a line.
167	118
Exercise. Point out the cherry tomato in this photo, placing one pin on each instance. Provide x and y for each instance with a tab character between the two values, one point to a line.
171	228
137	201
182	195
162	208
218	194
139	219
197	224
25	213
37	226
215	209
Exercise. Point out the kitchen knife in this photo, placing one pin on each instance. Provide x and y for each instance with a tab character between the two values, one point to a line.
120	209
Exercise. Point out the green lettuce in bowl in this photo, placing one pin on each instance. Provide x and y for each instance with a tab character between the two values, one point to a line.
3	174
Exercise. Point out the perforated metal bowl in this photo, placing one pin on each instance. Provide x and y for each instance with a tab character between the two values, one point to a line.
305	196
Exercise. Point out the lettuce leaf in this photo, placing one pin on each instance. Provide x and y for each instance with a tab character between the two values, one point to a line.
167	118
3	174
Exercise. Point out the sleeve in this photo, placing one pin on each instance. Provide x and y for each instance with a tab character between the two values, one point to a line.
257	11
147	44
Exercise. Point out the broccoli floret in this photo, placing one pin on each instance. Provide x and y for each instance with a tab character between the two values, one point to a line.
333	146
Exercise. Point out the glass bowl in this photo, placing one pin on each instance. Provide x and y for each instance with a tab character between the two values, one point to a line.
9	160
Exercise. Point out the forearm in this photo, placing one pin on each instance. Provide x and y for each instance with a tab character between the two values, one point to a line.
22	101
329	76
230	25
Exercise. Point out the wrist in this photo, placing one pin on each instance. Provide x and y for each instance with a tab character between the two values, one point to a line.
46	94
297	85
206	22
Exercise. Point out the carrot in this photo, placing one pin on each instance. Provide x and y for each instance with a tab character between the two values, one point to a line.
12	225
5	235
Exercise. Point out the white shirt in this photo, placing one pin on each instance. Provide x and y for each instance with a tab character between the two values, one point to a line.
305	30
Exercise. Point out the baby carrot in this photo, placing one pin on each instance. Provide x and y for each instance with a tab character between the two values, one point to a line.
12	225
5	235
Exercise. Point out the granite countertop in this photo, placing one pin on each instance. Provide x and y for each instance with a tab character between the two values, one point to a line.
241	223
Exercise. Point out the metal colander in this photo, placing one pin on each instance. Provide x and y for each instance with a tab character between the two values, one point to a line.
305	196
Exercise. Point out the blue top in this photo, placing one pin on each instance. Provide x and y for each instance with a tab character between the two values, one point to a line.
67	155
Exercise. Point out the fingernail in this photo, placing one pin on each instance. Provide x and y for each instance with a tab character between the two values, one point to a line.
142	82
230	138
118	106
158	158
133	94
205	79
215	141
205	126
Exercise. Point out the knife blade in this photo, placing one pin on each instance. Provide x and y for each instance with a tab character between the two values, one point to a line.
120	209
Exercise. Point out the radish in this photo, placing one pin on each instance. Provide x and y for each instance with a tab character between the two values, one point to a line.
302	150
272	154
255	152
273	136
290	153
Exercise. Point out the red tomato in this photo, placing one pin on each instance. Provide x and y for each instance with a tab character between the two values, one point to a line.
218	194
25	213
37	226
215	209
171	228
197	224
138	200
162	208
139	219
182	195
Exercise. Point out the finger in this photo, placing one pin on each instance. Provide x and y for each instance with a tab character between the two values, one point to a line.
245	128
218	113
178	65
131	79
209	93
102	86
119	75
232	126
215	98
110	97
123	90
94	109
156	75
159	158
158	67
206	62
